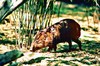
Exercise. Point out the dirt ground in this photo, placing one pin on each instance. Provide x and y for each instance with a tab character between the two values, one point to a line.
89	56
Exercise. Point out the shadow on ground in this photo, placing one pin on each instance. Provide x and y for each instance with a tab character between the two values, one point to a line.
4	40
36	60
92	47
72	58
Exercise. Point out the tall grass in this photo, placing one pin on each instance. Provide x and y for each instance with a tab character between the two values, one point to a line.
32	16
35	15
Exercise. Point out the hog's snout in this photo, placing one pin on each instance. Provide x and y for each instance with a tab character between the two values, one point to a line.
32	47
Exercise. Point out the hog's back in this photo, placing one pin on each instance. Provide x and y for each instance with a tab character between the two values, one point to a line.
74	28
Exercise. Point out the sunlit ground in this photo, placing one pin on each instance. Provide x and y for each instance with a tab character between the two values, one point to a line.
89	56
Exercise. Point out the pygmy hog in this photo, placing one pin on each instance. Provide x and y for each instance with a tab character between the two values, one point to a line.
66	30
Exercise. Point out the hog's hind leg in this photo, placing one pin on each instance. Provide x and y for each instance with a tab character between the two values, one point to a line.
78	42
70	44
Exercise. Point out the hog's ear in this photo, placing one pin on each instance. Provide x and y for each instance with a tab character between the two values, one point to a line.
57	27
